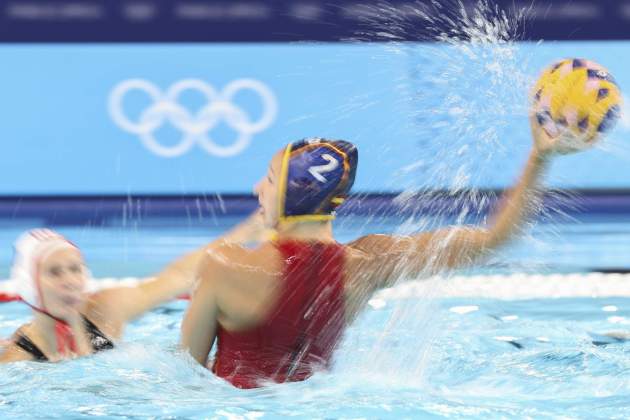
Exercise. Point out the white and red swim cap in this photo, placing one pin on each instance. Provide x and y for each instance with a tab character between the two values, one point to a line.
30	249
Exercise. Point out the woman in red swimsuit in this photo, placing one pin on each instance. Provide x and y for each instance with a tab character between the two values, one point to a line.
278	311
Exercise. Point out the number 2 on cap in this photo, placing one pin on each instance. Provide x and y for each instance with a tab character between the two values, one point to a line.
318	170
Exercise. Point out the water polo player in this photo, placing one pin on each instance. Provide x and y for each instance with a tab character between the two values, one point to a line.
278	311
68	321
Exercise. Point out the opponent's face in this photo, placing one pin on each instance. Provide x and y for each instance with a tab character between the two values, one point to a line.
62	281
267	191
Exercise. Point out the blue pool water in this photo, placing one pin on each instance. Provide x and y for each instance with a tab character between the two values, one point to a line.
411	358
142	247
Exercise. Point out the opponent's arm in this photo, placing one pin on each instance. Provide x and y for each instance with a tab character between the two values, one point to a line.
115	306
128	302
455	247
251	230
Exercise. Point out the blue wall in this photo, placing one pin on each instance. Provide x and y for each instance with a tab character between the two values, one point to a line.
425	115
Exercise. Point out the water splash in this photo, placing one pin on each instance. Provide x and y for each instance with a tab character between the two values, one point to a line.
466	88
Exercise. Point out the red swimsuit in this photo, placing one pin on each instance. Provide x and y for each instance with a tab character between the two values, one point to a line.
303	328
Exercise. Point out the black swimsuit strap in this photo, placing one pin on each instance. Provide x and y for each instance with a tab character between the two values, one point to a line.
28	346
98	340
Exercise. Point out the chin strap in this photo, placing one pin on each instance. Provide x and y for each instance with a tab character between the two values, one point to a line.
66	343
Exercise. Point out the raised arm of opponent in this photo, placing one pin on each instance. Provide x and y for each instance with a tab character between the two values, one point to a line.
113	307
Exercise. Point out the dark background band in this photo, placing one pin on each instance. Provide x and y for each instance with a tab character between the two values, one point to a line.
291	20
98	210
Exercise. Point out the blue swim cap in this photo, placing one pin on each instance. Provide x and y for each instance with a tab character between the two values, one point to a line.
316	177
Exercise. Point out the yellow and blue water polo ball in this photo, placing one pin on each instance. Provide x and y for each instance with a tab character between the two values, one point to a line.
577	95
316	177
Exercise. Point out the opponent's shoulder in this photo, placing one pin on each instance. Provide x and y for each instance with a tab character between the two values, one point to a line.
106	309
11	352
14	353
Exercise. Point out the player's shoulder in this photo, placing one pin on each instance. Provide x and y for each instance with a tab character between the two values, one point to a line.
230	257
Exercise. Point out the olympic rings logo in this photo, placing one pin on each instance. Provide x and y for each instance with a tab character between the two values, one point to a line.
196	127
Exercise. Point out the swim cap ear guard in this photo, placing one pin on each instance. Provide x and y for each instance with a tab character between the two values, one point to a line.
315	178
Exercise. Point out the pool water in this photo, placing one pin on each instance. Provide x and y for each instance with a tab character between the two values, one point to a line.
143	247
506	359
405	358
